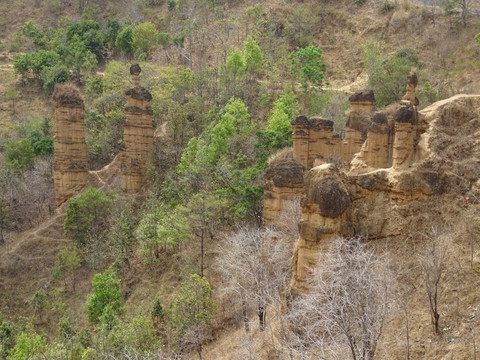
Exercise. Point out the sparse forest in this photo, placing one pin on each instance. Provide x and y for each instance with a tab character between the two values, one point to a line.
187	268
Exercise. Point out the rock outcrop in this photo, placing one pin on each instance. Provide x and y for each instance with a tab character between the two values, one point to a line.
324	217
432	170
283	182
70	157
399	172
314	139
137	135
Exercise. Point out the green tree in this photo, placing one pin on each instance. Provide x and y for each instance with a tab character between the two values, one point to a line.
124	40
22	64
389	78
68	260
204	213
190	312
144	39
28	346
90	33
136	336
231	130
111	32
30	30
160	227
5	219
79	58
54	75
19	154
122	232
157	310
235	63
106	296
280	121
11	95
8	335
42	59
252	56
38	301
87	216
308	67
43	146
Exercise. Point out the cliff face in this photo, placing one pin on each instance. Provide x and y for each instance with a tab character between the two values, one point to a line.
137	136
314	140
431	175
70	157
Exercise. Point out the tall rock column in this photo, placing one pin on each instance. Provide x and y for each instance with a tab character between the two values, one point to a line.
70	168
300	136
405	131
283	183
324	218
137	135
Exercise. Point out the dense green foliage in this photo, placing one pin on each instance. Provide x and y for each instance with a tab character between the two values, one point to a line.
308	67
87	216
190	312
106	299
19	154
387	76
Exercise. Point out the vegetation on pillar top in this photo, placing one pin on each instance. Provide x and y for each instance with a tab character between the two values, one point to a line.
68	95
365	95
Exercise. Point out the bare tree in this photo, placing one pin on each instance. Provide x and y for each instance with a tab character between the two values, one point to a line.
434	10
347	303
463	5
434	263
290	217
254	264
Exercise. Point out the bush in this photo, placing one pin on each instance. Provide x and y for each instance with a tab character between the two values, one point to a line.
44	146
19	154
54	75
107	297
124	40
87	216
387	6
388	78
144	39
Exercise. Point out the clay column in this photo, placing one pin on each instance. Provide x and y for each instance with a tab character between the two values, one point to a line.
70	169
137	135
300	136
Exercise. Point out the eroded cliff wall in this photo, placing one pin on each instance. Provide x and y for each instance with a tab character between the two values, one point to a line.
430	176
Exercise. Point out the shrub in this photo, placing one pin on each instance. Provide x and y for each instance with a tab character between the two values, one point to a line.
107	297
387	6
87	216
19	154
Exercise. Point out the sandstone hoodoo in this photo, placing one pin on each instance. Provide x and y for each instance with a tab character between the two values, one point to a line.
433	162
70	157
283	182
137	135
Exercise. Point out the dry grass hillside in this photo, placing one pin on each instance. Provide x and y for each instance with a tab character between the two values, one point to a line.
451	62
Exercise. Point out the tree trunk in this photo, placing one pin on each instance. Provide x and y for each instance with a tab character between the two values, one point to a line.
202	250
199	351
246	321
261	316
